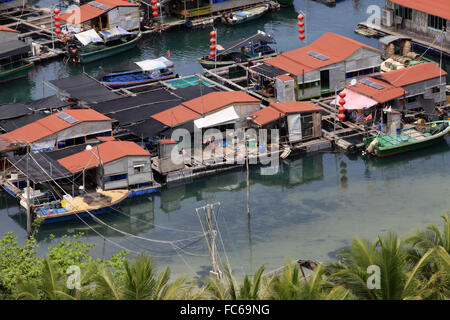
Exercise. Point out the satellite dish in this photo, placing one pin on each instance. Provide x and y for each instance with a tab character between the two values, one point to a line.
353	82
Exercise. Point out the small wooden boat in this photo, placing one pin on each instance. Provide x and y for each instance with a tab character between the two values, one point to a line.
253	48
247	14
81	206
17	71
89	46
12	60
141	72
408	139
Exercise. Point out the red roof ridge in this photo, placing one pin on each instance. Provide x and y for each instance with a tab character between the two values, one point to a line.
109	151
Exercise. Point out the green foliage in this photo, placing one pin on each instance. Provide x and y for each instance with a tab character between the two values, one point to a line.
417	267
17	261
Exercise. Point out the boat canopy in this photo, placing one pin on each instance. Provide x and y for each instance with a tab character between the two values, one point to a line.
257	38
13	48
89	36
114	33
218	118
155	64
356	101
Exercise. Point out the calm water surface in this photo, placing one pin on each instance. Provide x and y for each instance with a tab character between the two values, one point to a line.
309	210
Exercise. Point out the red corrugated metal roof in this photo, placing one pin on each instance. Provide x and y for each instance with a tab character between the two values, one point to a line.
440	8
295	107
3	28
81	14
334	46
413	74
49	125
216	100
266	115
386	94
175	116
87	12
284	77
107	151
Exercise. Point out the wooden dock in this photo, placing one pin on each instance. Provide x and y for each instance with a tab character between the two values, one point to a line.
343	133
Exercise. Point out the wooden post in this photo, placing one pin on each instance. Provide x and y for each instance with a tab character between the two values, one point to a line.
248	177
28	199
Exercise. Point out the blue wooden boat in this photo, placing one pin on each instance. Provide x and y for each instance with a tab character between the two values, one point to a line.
141	72
81	206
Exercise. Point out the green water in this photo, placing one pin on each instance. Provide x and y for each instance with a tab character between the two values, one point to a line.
309	210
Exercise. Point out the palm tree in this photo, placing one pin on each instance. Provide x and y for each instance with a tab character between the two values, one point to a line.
51	285
397	279
290	285
434	279
227	289
419	242
140	282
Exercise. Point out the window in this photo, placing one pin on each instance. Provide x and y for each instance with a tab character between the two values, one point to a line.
437	22
405	13
138	168
435	90
411	99
308	85
116	177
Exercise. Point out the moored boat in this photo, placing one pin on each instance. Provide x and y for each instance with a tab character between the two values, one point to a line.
247	14
81	206
408	139
137	73
89	46
12	60
253	48
14	72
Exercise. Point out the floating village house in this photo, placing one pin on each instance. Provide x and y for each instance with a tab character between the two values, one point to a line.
12	54
316	69
422	19
297	121
191	9
59	130
113	164
220	110
415	88
103	15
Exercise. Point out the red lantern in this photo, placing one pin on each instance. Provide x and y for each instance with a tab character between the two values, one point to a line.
342	102
56	11
301	37
342	94
213	40
300	17
341	116
57	30
154	8
212	48
212	34
155	14
212	54
57	18
154	2
301	23
368	118
301	30
57	24
341	109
